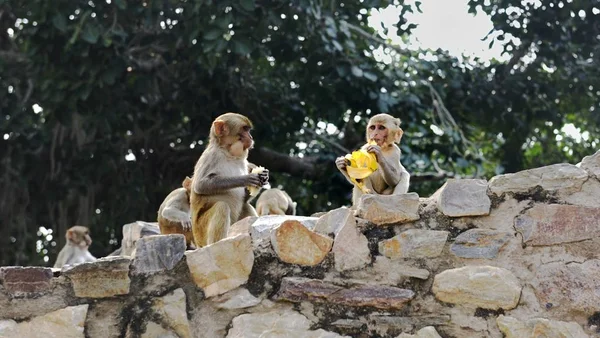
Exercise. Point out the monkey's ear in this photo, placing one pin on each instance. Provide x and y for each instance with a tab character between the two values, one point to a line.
398	135
221	128
187	183
69	235
397	121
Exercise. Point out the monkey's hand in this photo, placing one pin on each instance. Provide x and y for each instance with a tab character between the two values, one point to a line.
264	176
341	163
253	180
186	223
375	149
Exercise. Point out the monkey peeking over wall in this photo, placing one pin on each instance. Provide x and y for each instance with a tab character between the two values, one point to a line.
390	178
75	250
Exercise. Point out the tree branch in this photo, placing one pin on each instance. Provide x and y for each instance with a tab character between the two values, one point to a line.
306	167
279	162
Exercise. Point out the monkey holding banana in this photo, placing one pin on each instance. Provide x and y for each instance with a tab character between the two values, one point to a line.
391	178
218	195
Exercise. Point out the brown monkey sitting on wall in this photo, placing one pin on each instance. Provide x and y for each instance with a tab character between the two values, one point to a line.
275	202
218	195
75	250
174	214
391	178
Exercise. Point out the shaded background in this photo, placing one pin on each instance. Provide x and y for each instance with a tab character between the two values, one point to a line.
105	105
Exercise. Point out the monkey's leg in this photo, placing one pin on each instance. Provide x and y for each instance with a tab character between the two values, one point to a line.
356	194
167	227
212	225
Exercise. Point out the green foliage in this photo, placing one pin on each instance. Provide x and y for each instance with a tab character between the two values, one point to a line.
144	80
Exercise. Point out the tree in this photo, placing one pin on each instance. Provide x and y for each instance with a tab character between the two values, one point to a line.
106	106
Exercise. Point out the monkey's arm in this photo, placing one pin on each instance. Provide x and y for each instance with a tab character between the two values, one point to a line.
213	184
402	186
88	257
389	164
60	260
174	214
390	172
341	163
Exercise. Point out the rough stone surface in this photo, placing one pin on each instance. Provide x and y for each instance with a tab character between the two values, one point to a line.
350	246
480	243
158	253
591	164
105	277
587	197
64	323
171	311
297	289
295	244
487	287
23	281
155	330
221	266
103	318
563	288
561	177
426	332
388	209
239	298
329	222
539	327
414	243
388	271
260	228
463	197
550	224
276	324
132	232
241	227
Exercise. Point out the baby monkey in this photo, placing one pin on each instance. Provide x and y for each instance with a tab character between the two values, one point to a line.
275	202
75	250
174	214
391	178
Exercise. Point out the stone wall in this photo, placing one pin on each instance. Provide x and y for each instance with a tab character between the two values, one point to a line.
517	256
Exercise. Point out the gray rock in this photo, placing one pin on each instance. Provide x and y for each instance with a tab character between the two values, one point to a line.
158	253
480	243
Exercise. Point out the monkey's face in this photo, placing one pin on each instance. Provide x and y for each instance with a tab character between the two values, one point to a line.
233	132
79	236
378	132
246	137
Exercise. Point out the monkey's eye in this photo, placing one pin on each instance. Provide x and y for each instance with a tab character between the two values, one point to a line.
381	127
246	128
372	127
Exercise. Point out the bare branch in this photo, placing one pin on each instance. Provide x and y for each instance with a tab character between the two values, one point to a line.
372	37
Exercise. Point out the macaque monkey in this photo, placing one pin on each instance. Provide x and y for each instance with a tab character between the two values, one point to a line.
275	202
174	214
391	178
221	177
75	250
